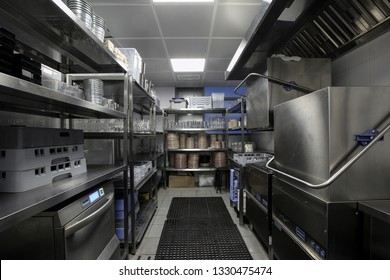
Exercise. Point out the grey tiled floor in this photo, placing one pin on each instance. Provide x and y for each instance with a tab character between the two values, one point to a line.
148	246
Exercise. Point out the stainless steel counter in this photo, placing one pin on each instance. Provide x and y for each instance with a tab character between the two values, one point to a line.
379	209
16	207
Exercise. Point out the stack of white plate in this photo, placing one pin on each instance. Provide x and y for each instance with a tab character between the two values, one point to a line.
83	10
98	27
172	141
93	90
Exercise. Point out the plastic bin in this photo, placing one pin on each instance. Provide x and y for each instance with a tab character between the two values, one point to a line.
63	88
218	100
178	103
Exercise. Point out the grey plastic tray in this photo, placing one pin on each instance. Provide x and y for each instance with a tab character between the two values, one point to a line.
19	137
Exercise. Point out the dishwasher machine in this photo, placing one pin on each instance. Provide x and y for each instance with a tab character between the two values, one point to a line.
331	155
80	228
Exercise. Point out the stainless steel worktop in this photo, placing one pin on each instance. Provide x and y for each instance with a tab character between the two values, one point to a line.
16	207
377	208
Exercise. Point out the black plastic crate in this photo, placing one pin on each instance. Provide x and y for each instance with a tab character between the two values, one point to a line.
6	65
24	62
27	69
7	39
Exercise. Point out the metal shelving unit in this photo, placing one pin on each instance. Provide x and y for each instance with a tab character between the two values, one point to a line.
196	111
146	213
200	169
194	130
240	107
25	97
193	111
197	150
143	105
52	24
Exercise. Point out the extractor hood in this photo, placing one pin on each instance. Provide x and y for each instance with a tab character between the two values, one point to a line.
308	28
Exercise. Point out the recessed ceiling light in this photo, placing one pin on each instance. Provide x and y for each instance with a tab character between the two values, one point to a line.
188	65
182	1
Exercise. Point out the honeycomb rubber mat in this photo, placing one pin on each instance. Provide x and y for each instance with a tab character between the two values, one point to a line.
200	228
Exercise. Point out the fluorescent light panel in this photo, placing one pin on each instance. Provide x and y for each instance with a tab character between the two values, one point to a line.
188	65
182	1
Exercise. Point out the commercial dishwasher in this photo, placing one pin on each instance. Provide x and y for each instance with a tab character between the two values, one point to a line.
81	228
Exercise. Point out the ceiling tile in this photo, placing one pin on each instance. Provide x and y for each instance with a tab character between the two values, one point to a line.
160	77
233	20
214	76
185	20
157	65
126	21
239	1
164	84
147	48
187	48
189	76
217	64
194	84
223	48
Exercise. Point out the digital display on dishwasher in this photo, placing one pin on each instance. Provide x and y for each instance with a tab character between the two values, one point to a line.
93	196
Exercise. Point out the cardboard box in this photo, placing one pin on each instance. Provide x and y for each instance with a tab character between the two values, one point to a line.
181	181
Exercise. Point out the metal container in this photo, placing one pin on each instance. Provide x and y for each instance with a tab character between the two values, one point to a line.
263	95
316	217
315	135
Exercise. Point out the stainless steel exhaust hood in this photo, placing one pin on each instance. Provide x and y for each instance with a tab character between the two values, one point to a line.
308	28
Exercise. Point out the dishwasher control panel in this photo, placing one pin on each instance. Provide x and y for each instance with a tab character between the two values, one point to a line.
93	197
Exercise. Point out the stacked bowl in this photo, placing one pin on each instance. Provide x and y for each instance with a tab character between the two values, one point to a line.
93	90
83	10
98	27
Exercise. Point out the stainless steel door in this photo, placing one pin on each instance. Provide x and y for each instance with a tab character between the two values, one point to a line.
87	236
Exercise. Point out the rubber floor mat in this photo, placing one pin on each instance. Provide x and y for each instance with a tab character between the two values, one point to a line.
200	228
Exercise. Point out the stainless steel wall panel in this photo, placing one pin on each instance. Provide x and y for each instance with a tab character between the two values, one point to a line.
263	95
315	134
257	103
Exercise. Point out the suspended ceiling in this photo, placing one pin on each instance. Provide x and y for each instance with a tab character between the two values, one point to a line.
238	35
161	31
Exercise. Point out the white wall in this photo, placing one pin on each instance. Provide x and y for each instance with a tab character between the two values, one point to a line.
165	94
368	65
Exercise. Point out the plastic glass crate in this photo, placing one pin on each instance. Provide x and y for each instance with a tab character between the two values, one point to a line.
200	102
63	88
20	181
246	158
25	159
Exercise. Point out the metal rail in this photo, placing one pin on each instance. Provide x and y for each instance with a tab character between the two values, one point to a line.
340	171
274	80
